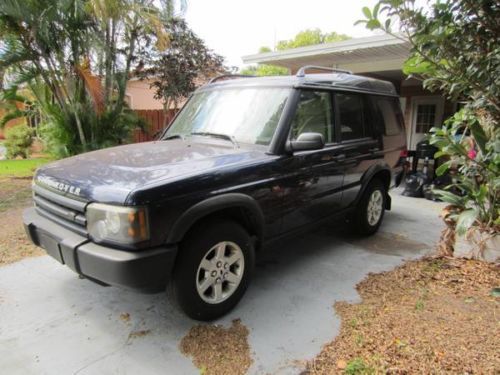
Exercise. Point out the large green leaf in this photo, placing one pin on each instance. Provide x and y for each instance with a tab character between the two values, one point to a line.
443	168
466	219
367	12
448	197
415	65
479	136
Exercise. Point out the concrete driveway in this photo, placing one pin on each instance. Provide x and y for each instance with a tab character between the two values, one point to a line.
52	322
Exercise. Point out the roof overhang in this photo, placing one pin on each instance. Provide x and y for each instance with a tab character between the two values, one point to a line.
361	55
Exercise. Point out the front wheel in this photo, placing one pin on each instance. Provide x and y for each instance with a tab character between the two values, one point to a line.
213	270
370	210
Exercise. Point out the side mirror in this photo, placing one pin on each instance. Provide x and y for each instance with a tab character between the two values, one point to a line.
305	142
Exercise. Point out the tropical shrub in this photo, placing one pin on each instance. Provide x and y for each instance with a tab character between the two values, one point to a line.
18	140
77	57
472	145
455	49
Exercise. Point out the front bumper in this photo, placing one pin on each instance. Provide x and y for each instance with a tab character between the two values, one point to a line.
145	270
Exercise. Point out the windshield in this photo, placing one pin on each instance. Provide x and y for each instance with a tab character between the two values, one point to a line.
246	115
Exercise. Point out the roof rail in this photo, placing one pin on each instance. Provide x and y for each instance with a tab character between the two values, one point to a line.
230	76
302	71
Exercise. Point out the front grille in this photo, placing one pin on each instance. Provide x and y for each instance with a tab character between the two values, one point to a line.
65	211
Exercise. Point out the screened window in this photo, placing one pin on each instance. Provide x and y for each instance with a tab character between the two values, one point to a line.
388	113
350	108
426	116
313	115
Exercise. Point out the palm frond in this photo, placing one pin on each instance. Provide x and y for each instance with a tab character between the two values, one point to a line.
92	85
13	53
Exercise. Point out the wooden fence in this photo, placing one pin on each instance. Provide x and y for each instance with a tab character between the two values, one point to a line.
156	121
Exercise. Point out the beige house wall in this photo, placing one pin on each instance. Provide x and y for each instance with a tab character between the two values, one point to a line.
140	95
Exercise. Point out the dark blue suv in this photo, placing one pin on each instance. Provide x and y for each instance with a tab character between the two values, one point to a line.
246	161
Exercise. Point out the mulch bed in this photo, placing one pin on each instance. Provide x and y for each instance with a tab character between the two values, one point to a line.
218	350
15	195
435	315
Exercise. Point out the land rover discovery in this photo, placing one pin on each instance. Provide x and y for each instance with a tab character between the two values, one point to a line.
246	161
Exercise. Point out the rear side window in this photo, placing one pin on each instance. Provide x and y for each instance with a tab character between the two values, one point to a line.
387	109
350	109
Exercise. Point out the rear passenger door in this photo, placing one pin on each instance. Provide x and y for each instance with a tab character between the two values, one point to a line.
358	141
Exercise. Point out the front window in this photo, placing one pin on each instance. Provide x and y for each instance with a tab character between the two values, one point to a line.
247	115
313	115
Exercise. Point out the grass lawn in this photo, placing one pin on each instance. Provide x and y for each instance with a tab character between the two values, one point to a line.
20	168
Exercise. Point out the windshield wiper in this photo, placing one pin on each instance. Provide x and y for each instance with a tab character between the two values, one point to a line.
174	136
218	135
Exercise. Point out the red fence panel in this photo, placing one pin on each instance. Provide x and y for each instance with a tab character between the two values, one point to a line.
156	120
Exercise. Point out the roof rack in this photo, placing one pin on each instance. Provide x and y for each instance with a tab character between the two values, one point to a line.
230	76
302	71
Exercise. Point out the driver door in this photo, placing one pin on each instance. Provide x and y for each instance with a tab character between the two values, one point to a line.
313	182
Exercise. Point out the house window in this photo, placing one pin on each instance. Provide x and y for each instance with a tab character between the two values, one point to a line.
426	117
313	115
350	109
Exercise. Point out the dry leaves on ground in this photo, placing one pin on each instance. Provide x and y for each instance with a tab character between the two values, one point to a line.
218	350
427	316
15	196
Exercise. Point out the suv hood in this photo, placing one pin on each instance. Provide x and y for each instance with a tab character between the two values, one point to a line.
109	175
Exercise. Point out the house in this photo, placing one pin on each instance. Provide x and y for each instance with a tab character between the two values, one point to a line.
380	56
140	96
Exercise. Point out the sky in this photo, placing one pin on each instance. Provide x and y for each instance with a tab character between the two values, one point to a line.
234	28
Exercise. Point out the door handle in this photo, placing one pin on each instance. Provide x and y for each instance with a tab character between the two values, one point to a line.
339	157
374	149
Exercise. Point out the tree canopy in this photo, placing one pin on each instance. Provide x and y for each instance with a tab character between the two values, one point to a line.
310	37
176	69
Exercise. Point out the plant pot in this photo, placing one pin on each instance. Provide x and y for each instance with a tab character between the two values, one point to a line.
476	244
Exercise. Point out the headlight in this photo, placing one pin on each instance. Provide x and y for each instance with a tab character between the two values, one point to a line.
124	225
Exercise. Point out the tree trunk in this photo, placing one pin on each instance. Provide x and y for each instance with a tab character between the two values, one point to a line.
122	88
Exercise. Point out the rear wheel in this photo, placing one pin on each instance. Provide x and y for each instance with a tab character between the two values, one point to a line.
213	269
370	210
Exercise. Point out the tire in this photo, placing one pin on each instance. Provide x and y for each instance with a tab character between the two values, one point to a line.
204	259
370	210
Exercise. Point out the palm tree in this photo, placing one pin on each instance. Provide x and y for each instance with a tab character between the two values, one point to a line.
82	51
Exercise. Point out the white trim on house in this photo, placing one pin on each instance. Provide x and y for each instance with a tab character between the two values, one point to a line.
374	53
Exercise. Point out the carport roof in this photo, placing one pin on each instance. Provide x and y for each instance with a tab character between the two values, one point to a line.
374	53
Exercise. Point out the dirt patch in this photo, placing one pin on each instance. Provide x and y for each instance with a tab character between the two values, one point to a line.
125	317
15	195
137	334
218	350
14	192
427	316
388	243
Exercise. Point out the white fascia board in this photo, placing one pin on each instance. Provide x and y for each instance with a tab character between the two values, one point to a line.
322	49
